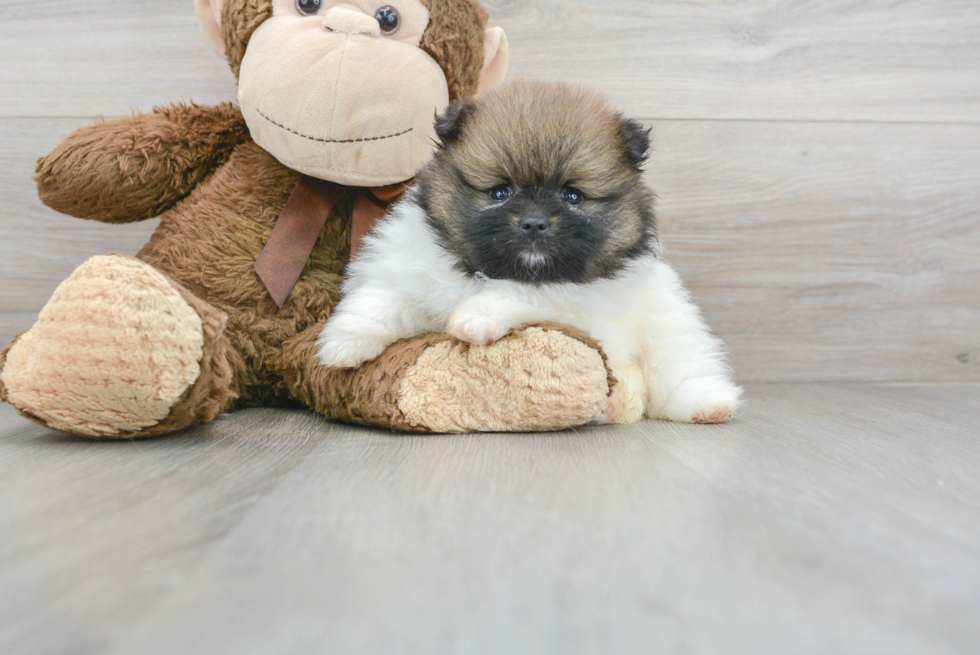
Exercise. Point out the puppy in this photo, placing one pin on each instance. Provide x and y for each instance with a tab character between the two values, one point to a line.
534	209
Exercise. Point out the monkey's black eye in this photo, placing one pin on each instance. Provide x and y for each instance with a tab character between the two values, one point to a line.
572	196
309	7
388	19
501	193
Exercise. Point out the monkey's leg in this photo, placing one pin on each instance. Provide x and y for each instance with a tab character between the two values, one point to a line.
537	378
121	351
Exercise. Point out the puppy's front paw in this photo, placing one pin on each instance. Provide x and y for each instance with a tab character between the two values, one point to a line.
703	400
476	328
347	349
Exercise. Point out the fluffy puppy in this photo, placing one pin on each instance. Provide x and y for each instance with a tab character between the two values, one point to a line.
534	209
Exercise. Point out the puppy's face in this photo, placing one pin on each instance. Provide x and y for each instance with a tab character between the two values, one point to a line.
540	183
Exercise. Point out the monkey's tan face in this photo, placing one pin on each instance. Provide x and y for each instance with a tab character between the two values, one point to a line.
341	90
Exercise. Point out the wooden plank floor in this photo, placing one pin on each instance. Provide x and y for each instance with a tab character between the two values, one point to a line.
827	519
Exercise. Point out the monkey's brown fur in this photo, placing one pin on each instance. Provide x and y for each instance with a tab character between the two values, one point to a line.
219	195
454	37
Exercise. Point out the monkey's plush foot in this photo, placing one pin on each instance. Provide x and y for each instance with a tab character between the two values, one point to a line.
120	351
537	378
533	379
702	400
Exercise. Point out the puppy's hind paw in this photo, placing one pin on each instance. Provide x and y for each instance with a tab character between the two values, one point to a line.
344	350
627	400
703	400
718	414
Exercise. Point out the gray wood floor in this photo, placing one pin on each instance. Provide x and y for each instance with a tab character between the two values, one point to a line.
817	167
827	519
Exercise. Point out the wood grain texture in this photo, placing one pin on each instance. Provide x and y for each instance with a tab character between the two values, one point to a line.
881	60
40	248
822	243
105	57
829	251
818	251
94	535
827	519
894	60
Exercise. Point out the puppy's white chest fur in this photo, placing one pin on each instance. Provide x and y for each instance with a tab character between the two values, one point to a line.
405	284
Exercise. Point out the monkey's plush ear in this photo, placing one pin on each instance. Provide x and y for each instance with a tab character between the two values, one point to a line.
636	137
449	125
209	15
496	56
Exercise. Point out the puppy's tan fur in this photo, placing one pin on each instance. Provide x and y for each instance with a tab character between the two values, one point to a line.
546	136
526	117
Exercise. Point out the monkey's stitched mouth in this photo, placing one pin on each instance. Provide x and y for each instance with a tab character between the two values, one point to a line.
319	140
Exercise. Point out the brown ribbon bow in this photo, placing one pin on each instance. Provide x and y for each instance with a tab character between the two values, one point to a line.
289	248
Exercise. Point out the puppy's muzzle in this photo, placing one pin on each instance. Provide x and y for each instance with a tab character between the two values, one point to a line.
535	227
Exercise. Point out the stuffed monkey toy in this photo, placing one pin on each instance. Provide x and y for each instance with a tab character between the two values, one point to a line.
260	205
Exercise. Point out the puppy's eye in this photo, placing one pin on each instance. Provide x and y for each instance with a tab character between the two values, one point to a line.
501	193
572	196
388	19
309	7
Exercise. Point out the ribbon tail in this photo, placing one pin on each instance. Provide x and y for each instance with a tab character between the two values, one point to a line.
293	238
367	214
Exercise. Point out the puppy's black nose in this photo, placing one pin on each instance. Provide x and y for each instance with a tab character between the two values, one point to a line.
535	227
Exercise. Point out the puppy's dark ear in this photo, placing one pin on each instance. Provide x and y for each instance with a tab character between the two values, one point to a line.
449	125
636	137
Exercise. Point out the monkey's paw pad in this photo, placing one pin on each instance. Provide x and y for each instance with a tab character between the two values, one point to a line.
477	328
533	380
340	348
703	400
111	353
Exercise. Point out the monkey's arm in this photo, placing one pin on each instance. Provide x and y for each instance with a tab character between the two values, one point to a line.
136	168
